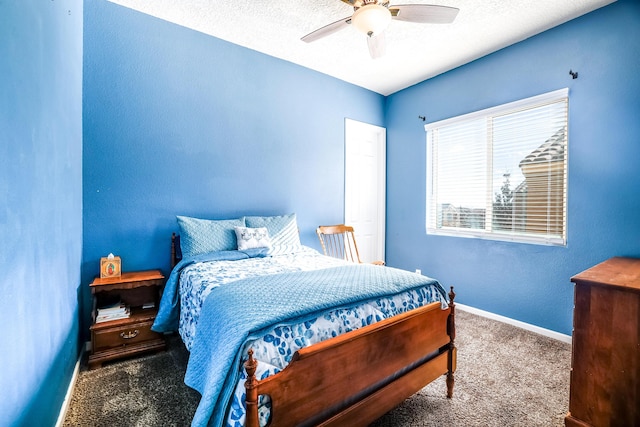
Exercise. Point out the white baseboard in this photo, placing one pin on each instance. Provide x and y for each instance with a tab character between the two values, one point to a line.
67	397
72	385
527	326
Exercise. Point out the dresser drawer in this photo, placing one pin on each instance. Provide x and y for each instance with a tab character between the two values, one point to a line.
123	335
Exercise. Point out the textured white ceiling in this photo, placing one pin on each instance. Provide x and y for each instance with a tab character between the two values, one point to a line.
415	52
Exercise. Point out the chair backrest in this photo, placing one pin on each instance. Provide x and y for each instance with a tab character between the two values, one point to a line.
339	241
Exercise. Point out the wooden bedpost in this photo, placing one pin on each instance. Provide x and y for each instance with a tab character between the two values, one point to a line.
251	386
173	250
451	331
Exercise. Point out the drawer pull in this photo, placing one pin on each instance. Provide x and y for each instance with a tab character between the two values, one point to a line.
129	334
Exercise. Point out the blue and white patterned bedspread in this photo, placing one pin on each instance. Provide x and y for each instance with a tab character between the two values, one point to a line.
225	309
199	279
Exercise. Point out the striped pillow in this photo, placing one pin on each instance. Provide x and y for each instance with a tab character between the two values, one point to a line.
283	229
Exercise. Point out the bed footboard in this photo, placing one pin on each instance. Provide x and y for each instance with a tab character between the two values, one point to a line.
355	378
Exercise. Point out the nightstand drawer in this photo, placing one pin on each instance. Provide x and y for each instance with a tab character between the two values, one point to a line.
123	335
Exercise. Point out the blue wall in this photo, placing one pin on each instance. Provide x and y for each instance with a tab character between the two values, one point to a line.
40	205
180	123
176	122
528	282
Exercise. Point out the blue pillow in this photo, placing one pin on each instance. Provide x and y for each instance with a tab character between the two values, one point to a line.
283	229
198	236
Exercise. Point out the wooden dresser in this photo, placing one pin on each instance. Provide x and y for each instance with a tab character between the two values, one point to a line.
605	374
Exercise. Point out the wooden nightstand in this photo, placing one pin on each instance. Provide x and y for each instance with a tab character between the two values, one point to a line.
140	292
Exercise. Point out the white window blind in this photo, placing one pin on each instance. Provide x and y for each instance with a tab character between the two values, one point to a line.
501	173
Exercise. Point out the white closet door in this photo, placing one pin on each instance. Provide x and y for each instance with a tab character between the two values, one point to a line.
365	186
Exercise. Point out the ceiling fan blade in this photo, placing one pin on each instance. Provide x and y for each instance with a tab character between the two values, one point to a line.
326	30
377	45
424	13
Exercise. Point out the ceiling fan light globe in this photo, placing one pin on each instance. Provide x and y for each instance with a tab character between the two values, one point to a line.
371	19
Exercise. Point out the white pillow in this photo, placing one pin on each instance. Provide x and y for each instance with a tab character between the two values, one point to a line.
250	238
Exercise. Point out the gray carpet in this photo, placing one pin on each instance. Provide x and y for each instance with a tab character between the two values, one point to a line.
506	377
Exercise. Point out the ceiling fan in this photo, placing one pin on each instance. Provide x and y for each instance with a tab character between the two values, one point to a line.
372	17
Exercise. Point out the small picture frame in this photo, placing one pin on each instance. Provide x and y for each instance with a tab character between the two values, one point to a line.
110	267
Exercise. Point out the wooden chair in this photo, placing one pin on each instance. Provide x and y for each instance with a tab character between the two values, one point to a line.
339	241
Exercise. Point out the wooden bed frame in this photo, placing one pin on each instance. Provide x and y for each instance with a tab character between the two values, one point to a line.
355	378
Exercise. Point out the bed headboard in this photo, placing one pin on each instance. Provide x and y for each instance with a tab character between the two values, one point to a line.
176	252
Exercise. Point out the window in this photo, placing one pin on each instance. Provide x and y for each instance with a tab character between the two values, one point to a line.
501	173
